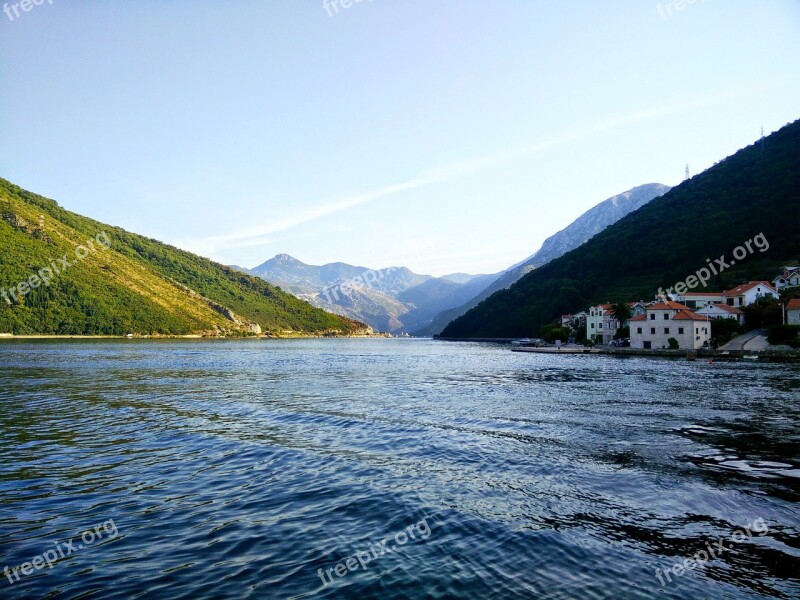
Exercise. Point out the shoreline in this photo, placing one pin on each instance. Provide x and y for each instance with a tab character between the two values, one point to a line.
701	354
308	336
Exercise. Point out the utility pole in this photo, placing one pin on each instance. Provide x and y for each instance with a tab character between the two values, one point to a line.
687	173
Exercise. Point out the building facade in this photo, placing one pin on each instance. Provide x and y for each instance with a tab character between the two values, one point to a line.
748	293
695	300
793	312
790	277
722	311
666	320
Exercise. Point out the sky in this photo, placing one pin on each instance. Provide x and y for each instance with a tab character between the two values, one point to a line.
441	135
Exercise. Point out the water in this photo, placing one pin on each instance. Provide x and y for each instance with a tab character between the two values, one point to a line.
239	469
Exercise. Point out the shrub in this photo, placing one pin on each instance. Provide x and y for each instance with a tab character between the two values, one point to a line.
784	334
673	344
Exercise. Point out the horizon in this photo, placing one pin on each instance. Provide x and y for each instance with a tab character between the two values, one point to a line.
443	138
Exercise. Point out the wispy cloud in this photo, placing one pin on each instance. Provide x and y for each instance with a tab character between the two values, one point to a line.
257	235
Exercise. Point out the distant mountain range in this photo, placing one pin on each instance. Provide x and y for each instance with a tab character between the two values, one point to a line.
579	231
392	299
61	273
755	191
397	300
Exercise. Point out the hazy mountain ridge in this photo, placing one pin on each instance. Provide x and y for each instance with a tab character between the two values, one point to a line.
393	299
589	224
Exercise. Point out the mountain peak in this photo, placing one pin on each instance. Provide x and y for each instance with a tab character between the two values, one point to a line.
285	258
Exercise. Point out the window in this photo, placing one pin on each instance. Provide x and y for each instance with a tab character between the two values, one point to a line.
697	330
705	329
666	316
652	316
666	330
648	345
680	330
653	330
591	325
638	330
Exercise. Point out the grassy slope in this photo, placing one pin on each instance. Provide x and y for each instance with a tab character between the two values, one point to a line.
750	192
130	287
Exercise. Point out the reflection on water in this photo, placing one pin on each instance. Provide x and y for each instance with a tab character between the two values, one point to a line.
239	468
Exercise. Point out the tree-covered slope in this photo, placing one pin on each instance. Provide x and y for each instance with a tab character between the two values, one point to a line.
137	285
757	190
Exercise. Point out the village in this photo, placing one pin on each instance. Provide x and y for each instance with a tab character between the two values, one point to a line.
684	321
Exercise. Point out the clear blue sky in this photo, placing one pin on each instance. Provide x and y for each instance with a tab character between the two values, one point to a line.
441	135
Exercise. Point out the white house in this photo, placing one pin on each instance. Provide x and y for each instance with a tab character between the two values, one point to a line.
595	321
790	277
747	293
722	311
666	320
793	312
695	300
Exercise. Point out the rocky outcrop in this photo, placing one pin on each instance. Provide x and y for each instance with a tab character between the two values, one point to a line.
21	224
241	323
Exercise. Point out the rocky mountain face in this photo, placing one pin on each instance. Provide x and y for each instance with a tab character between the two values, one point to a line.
392	299
578	232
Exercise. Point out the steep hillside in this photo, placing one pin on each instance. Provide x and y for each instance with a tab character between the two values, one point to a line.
757	190
579	231
105	280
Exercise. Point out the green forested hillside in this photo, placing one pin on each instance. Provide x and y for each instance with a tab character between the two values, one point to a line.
137	285
757	190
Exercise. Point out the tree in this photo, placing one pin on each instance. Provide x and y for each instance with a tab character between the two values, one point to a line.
764	312
621	313
723	331
551	333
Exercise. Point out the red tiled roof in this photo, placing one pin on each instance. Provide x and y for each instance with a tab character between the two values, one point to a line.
738	291
793	304
687	315
639	318
703	294
731	309
669	305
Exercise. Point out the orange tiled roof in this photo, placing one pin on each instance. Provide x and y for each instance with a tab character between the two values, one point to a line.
731	309
794	304
687	315
738	291
669	305
702	294
639	318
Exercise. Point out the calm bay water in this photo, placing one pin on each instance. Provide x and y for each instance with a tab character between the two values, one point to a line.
239	469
